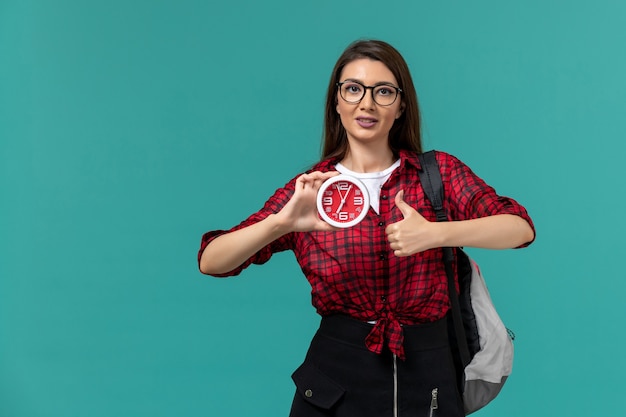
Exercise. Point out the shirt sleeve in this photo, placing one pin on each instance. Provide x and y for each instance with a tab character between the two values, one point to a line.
469	197
273	205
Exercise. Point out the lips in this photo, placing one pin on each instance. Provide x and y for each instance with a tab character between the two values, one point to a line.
366	121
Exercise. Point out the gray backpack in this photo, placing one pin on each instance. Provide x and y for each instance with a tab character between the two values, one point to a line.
482	346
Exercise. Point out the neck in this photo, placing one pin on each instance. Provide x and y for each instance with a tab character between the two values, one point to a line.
367	159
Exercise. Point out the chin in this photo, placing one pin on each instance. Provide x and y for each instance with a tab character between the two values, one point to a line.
368	138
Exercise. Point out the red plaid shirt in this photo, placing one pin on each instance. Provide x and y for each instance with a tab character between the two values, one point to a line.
353	271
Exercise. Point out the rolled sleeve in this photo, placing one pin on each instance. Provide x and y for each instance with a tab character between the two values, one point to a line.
469	197
273	205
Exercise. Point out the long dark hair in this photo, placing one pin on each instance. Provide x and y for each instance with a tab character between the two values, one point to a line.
405	132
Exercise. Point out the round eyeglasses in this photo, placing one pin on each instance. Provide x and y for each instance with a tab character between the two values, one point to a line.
383	94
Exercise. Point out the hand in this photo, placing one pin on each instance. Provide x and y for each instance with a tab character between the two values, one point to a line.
414	233
300	213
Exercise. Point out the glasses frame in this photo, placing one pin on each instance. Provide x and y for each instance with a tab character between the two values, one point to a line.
371	88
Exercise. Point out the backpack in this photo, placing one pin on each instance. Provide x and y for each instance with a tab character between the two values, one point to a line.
482	346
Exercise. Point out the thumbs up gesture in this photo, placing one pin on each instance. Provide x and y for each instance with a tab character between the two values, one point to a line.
412	234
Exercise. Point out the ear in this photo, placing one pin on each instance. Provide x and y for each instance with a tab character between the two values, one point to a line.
400	110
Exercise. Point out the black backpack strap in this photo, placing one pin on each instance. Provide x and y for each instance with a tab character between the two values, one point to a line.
430	177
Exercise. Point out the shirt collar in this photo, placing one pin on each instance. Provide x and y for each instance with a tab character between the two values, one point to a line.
407	158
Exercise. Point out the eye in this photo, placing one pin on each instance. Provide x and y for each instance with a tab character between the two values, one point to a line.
352	88
385	90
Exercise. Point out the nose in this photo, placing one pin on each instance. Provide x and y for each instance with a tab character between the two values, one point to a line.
367	102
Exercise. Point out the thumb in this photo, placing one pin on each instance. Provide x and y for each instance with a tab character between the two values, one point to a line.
404	207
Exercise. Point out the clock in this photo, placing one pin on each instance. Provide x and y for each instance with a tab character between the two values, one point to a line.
343	201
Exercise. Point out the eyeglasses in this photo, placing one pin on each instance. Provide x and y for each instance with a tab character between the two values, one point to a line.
383	94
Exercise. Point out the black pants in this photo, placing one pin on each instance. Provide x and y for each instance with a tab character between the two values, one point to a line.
340	377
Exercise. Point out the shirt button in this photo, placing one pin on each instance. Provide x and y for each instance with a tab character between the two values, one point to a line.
381	223
308	393
384	196
382	257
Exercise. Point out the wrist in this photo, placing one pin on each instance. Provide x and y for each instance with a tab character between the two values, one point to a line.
444	234
278	226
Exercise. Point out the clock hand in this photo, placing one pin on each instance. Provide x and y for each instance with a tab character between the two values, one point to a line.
343	198
339	191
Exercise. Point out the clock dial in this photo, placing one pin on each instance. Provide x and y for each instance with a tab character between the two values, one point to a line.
343	201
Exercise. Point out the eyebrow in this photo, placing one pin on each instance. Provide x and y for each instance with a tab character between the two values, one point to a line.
375	85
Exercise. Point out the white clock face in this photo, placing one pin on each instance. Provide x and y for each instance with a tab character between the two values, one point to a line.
343	201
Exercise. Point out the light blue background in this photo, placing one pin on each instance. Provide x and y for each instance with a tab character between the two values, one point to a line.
128	128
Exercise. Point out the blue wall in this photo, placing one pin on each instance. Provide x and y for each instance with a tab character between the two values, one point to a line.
128	128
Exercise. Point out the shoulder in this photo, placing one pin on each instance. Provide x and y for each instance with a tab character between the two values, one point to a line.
324	165
449	163
452	168
445	160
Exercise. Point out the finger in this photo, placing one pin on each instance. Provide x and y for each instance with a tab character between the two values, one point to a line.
304	178
300	182
390	230
316	179
405	209
317	183
330	174
309	180
323	175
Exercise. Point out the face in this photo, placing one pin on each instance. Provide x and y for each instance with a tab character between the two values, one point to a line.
367	121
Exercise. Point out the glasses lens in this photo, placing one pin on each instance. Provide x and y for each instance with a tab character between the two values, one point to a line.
352	92
385	95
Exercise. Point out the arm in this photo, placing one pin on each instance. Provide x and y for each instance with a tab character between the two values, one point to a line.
502	231
415	234
230	250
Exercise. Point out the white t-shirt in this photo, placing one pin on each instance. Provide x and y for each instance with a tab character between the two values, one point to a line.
373	181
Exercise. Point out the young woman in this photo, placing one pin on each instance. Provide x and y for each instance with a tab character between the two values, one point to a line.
380	286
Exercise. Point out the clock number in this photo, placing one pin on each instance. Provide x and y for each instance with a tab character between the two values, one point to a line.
358	201
342	186
327	201
343	216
